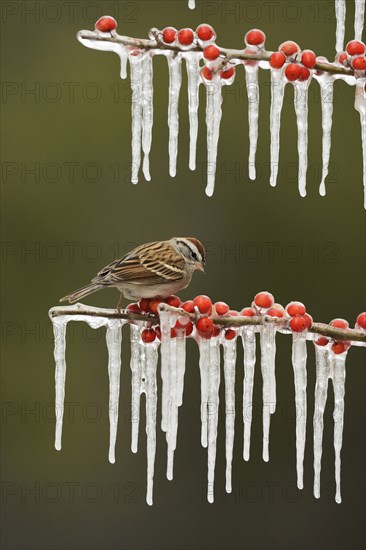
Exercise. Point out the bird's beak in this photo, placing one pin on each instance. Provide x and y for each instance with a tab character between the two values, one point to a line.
200	266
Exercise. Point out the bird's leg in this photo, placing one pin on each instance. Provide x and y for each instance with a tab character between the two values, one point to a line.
119	303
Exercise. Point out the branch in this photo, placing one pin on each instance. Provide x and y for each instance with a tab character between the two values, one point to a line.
159	46
322	329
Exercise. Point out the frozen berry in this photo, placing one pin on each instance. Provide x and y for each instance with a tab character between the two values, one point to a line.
216	331
185	37
205	327
340	347
255	37
277	60
153	305
304	74
188	306
187	327
206	73
293	72
233	313
221	308
205	32
106	24
275	311
230	334
342	57
264	299
211	52
203	303
148	335
144	304
339	323
173	301
289	47
169	34
361	320
359	63
299	323
295	308
228	73
355	47
322	341
134	308
308	59
247	312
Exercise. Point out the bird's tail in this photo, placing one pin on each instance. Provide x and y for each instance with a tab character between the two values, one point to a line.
81	293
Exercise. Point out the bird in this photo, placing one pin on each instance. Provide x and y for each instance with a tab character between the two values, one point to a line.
153	270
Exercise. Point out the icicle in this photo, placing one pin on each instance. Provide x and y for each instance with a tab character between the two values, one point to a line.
137	361
213	413
299	356
147	112
193	74
181	365
114	341
359	18
191	4
100	45
249	344
151	405
360	106
213	119
251	76
268	354
171	435
229	374
340	12
326	83
321	388
136	113
301	109
278	83
204	365
59	331
338	379
175	81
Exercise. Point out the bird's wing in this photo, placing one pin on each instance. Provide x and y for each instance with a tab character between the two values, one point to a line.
142	266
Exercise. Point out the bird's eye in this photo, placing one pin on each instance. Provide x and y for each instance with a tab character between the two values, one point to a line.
194	256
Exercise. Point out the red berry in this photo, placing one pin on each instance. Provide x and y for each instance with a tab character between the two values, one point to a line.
247	312
308	59
148	335
189	328
275	312
342	57
158	331
134	308
185	37
228	73
153	305
308	320
216	331
205	32
264	299
359	63
188	306
289	47
304	75
340	347
221	308
295	308
339	323
277	60
203	303
322	341
233	313
293	72
186	327
205	327
169	34
173	333
211	52
230	334
300	323
106	24
361	320
255	37
355	47
173	301
206	73
144	304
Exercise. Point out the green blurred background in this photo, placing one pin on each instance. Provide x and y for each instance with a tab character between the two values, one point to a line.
66	115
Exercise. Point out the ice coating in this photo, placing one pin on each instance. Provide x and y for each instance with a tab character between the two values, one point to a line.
249	344
229	375
191	4
181	365
278	83
321	389
175	81
340	12
136	114
339	380
151	406
114	342
251	76
204	363
360	106
326	84
268	355
359	18
301	110
147	112
136	364
59	331
193	75
213	119
299	356
212	413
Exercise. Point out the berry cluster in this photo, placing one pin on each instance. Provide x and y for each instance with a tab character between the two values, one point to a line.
342	346
298	63
354	56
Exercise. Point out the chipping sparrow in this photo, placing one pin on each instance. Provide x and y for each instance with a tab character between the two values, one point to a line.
151	270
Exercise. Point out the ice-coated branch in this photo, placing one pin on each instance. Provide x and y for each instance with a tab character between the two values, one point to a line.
321	329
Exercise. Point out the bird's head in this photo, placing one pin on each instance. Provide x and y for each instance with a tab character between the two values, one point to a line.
193	251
